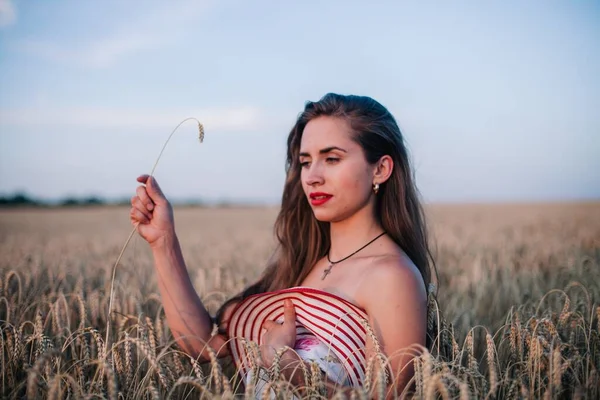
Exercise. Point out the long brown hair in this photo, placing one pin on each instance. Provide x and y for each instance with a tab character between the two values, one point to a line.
303	240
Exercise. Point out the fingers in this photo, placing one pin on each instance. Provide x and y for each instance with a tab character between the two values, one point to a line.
267	325
152	189
289	316
289	312
138	217
142	194
137	203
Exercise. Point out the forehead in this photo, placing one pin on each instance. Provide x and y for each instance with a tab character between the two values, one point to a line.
324	132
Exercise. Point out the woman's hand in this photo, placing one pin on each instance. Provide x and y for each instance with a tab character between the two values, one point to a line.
151	213
276	336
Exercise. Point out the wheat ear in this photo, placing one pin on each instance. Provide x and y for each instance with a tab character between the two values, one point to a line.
114	270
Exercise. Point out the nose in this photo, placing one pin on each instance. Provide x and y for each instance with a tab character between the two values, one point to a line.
314	175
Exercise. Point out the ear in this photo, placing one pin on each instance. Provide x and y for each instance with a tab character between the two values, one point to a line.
383	169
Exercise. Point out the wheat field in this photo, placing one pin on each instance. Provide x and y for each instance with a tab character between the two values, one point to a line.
519	290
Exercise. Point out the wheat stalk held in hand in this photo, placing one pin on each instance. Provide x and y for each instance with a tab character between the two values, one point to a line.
114	270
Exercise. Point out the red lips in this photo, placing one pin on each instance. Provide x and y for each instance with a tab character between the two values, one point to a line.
319	198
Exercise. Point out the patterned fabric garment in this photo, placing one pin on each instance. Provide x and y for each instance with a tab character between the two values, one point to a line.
329	331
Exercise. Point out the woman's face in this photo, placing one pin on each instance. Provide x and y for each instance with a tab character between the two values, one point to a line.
336	178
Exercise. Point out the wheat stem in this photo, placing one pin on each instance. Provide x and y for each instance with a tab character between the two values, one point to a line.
114	269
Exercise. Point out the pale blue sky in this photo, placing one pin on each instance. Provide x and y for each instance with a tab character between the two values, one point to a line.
498	101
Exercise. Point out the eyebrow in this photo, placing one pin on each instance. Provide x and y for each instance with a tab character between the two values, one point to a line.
324	151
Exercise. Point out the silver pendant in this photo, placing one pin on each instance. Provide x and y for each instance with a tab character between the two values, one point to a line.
326	271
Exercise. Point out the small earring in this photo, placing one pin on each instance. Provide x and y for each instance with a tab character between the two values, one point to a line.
376	187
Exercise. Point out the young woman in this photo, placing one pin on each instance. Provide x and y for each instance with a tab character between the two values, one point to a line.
352	249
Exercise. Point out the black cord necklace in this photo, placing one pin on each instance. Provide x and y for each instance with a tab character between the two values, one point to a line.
327	270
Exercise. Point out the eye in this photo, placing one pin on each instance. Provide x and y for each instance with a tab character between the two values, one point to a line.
304	164
332	160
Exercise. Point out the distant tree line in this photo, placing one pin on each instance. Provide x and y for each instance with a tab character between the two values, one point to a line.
24	200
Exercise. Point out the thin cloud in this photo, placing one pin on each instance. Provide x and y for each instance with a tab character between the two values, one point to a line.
100	54
214	119
8	13
151	31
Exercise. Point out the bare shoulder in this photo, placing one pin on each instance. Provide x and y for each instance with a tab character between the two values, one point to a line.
392	277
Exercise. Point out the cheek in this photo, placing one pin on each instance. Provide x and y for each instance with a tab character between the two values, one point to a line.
357	177
354	182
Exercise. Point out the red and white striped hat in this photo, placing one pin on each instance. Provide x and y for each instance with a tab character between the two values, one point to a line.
335	321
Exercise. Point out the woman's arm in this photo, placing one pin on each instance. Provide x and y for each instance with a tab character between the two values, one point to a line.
152	215
188	319
393	295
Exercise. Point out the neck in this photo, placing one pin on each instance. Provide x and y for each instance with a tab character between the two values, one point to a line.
352	233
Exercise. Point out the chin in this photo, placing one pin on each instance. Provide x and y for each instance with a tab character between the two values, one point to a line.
328	216
324	215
